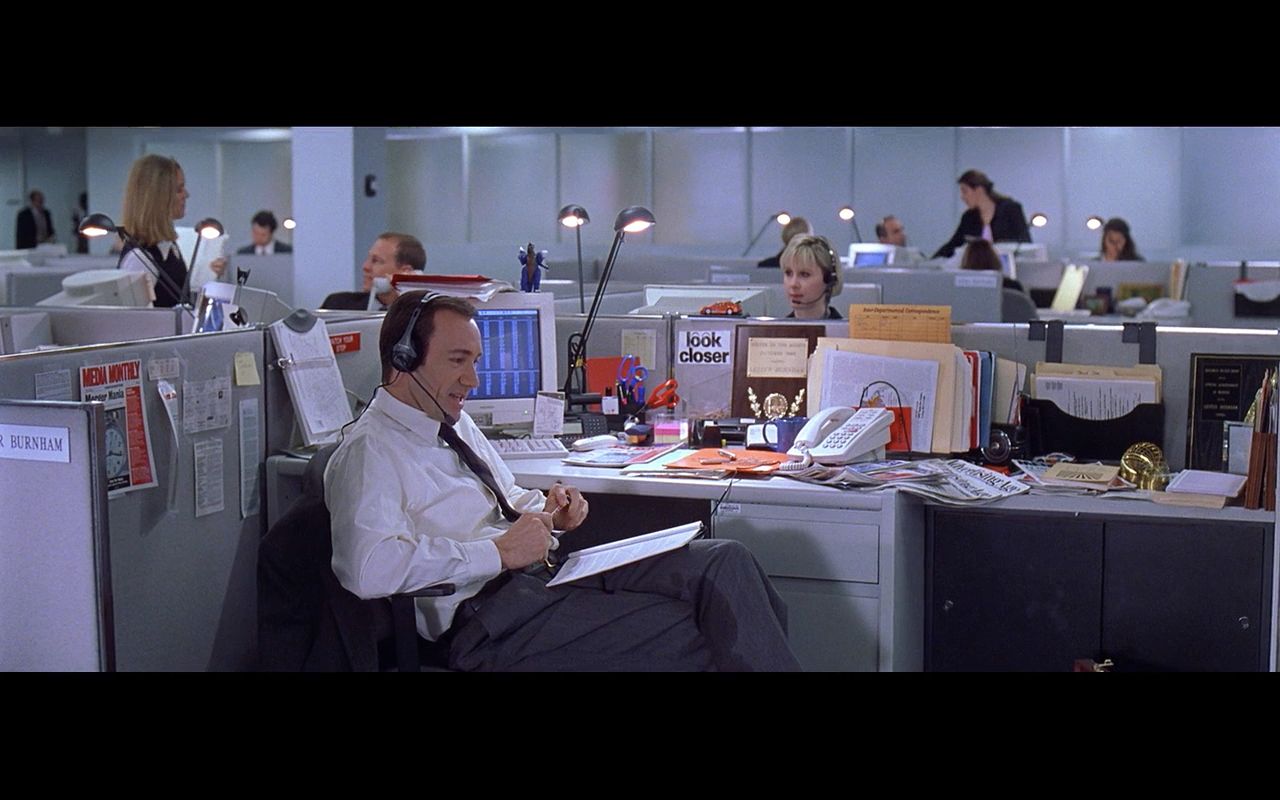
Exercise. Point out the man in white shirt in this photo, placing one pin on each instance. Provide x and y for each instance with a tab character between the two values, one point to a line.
391	254
263	234
408	511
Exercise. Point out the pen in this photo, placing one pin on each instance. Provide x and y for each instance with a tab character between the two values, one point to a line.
727	455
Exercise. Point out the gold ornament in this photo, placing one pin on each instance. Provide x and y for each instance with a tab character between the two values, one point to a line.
775	404
1144	466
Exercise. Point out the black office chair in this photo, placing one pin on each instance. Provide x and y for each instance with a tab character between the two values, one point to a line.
307	621
1016	306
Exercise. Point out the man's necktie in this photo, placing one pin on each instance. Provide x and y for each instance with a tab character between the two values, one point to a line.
481	469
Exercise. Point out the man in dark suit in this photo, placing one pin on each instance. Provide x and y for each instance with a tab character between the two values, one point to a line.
35	224
391	253
264	243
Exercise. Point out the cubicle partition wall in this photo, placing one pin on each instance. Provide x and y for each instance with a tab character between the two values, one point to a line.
1211	290
1104	344
614	335
974	295
183	554
702	360
55	575
274	273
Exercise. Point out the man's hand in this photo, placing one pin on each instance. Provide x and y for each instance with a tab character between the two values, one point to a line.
567	506
526	541
218	266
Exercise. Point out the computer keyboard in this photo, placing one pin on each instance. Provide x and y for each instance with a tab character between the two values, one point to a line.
511	449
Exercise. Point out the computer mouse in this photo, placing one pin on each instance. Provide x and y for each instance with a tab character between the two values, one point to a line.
596	442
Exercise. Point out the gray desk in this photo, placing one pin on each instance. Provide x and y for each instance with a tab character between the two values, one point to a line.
852	566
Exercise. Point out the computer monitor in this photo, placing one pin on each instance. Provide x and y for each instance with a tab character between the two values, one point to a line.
518	334
871	254
685	299
102	287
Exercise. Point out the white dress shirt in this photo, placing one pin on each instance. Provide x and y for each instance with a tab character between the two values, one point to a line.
407	512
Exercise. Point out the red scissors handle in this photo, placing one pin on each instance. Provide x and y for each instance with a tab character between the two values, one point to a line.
664	394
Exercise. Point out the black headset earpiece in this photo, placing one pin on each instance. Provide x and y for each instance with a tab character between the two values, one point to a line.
829	276
404	356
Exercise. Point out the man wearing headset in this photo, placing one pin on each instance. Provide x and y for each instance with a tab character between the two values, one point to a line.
410	508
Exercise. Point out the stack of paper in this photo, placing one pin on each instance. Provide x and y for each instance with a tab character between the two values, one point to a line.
1096	392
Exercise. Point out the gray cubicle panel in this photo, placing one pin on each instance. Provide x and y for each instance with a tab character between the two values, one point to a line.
73	326
1211	292
55	575
607	336
974	295
25	285
702	360
1102	344
183	586
273	273
1039	274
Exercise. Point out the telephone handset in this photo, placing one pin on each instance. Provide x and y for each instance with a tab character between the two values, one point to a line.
839	435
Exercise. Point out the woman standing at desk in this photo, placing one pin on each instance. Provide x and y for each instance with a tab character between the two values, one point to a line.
155	194
811	275
991	216
1117	244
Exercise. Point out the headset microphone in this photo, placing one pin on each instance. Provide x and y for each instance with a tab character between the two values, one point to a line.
449	419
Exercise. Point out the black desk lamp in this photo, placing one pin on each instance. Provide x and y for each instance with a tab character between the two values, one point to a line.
630	220
782	218
849	215
574	216
208	228
95	225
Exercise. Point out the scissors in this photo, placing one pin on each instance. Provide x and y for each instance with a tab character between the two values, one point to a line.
664	394
631	375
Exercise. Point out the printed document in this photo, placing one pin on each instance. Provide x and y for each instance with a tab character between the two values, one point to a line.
594	560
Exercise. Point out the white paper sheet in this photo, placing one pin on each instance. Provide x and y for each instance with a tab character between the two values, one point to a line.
847	375
53	385
594	560
208	476
249	438
206	405
314	382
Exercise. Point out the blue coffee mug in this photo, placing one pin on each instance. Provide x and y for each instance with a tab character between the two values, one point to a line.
785	430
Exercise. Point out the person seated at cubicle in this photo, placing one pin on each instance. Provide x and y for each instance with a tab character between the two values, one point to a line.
1117	243
392	253
155	194
990	215
263	232
890	230
796	227
418	496
811	277
980	254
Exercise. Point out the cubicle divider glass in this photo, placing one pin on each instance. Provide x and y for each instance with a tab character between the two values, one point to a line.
185	444
56	614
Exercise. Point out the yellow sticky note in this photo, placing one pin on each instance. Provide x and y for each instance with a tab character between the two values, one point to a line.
246	370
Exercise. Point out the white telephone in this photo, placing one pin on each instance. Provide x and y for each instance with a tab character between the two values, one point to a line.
839	435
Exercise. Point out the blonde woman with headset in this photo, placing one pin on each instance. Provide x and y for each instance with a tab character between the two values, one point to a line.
811	276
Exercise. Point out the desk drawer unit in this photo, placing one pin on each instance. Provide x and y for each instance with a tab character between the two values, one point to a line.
826	565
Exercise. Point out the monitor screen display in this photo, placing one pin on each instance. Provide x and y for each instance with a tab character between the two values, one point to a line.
866	259
511	365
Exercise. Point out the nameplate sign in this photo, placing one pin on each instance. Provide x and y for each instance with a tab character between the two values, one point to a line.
35	443
978	280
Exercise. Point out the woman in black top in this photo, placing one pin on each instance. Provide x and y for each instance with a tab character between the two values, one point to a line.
155	194
991	216
811	275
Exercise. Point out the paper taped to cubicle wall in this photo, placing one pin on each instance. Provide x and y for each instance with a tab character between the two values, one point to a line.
119	385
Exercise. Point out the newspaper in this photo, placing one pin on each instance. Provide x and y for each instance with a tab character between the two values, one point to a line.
119	386
950	481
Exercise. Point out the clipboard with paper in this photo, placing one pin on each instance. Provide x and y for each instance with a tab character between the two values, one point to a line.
311	374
